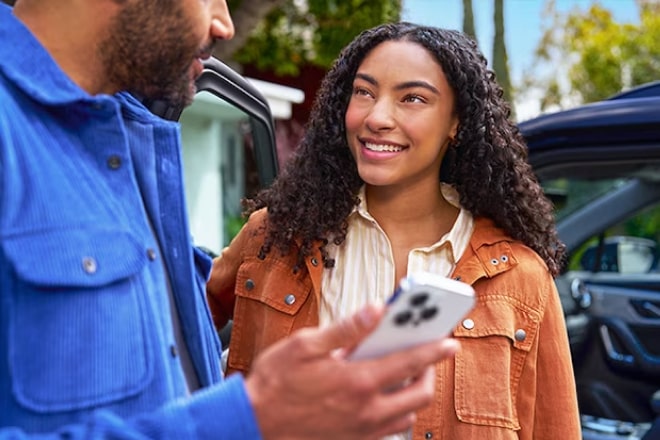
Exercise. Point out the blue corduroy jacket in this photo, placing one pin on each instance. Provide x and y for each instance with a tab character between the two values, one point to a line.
87	347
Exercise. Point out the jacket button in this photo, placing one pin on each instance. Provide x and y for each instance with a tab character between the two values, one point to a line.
428	434
173	352
315	262
114	162
89	265
249	284
151	254
289	299
520	335
468	324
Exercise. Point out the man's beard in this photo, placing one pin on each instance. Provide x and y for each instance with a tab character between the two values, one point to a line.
151	57
176	93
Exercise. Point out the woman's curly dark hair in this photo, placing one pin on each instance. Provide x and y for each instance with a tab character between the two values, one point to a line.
487	163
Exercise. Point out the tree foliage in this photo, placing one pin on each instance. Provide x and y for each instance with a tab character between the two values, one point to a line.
601	56
246	15
313	32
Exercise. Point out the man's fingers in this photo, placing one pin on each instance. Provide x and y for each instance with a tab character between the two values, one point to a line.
397	408
345	333
396	425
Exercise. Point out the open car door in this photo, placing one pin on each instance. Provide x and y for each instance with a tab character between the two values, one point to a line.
226	84
229	151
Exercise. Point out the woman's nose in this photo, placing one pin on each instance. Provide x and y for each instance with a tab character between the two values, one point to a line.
381	116
222	26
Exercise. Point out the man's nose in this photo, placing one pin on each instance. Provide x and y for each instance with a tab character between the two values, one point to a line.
222	26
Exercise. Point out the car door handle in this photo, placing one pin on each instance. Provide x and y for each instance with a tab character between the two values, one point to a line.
647	309
652	309
612	352
634	356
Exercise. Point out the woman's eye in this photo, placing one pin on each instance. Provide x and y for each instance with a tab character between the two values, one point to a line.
360	91
413	98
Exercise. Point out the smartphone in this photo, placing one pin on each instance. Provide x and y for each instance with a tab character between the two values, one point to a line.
424	307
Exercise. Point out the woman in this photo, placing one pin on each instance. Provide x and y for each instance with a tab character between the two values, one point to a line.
410	162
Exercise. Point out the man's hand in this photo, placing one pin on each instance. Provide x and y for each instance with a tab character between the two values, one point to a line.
302	388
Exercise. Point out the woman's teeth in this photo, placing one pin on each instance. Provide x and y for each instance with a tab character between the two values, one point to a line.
387	148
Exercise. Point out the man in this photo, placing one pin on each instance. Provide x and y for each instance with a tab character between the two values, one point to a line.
104	329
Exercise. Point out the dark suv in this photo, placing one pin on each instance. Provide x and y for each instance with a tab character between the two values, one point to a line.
600	163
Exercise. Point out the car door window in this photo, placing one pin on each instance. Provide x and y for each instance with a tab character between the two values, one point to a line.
627	247
571	193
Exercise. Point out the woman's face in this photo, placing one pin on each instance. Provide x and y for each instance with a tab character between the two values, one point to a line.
400	116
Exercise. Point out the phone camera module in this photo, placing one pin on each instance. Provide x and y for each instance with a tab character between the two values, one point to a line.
418	311
419	299
429	313
403	318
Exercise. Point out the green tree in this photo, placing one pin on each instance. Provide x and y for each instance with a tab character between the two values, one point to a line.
311	32
500	57
246	14
601	56
468	19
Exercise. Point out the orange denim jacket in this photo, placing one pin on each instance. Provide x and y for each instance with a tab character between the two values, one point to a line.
513	377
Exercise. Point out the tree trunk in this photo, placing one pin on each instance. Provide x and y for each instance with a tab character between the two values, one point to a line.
500	58
468	19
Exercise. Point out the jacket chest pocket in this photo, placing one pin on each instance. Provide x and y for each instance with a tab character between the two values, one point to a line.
77	333
495	340
271	302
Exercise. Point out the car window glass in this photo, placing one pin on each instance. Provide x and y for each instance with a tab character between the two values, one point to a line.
629	247
219	168
569	194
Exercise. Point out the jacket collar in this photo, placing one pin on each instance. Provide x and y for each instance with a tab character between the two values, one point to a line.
30	68
27	64
488	254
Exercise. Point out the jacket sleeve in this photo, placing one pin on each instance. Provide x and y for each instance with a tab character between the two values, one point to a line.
222	283
556	412
221	412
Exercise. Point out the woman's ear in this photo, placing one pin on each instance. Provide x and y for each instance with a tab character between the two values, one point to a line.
453	129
